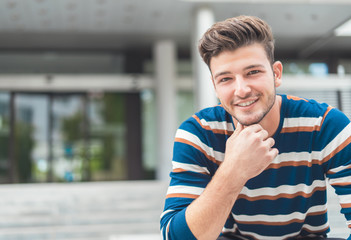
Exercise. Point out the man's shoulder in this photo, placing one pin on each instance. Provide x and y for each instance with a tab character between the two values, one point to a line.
214	119
215	113
304	107
312	111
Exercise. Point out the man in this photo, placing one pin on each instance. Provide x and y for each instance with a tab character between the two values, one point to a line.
255	167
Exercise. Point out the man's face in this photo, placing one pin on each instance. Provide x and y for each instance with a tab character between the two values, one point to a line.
245	82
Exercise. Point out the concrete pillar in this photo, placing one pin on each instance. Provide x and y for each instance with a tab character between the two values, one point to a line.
204	92
165	73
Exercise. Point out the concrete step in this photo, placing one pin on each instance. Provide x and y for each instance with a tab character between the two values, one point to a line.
103	210
97	211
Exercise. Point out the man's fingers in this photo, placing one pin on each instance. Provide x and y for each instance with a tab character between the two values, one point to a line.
271	142
239	128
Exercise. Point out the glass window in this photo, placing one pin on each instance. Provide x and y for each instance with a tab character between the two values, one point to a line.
305	67
31	137
69	133
4	135
107	137
68	137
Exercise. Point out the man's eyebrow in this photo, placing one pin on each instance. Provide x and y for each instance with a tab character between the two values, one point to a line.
254	66
221	73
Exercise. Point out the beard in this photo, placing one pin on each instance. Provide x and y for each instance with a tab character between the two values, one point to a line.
255	117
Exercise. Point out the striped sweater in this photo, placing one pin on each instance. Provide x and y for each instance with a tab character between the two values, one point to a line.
288	199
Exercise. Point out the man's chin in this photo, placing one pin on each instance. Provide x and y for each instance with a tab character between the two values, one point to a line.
248	122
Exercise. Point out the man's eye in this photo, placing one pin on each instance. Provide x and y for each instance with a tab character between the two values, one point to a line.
253	72
224	80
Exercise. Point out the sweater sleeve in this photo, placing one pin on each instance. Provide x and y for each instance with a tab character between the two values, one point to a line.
192	169
337	158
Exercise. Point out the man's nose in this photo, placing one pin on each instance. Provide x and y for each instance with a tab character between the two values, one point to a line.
242	88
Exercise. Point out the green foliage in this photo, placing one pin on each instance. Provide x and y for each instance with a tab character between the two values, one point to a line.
23	150
72	128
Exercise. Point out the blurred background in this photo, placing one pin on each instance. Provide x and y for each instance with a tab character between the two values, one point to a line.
93	90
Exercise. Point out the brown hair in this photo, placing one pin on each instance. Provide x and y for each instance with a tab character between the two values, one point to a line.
234	33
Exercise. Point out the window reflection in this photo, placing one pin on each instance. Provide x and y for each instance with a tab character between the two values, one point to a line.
4	136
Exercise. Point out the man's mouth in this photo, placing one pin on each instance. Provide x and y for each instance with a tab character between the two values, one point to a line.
244	104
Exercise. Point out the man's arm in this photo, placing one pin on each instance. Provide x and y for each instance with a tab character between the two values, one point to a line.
336	155
248	152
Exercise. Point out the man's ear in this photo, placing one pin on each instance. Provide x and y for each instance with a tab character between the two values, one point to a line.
213	83
214	86
278	73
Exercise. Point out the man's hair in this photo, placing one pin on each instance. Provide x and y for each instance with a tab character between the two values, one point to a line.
234	33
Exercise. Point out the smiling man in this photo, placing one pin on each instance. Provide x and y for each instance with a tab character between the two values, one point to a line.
255	166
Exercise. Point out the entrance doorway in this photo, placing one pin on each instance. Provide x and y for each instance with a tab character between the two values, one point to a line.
66	137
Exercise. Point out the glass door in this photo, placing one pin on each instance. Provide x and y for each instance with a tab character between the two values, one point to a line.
67	137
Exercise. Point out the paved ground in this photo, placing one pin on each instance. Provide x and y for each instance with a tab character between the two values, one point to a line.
89	211
94	211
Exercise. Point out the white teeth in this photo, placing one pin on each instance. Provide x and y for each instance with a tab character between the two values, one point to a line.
246	103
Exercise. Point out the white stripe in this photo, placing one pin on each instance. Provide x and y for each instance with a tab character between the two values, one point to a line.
344	199
190	167
316	228
283	189
339	169
279	217
294	156
302	122
346	179
219	156
184	190
224	125
337	141
167	227
316	155
302	156
165	212
233	229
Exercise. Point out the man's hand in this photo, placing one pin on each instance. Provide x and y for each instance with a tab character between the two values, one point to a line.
249	150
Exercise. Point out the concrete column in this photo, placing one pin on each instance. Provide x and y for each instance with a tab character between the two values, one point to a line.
165	73
204	92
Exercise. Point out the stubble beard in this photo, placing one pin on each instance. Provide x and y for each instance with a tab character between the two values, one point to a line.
260	117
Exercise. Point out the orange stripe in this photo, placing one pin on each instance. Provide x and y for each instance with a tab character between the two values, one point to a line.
300	129
309	128
295	98
182	140
341	184
182	195
345	205
219	131
314	161
179	170
326	113
337	150
294	163
282	195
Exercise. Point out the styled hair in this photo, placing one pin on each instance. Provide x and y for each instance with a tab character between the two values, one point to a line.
234	33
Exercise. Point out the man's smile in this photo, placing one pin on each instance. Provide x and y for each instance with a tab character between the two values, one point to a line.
246	103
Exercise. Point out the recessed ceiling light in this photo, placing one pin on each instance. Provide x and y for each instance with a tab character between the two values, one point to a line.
344	29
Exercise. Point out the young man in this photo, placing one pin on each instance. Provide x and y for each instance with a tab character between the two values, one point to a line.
255	167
